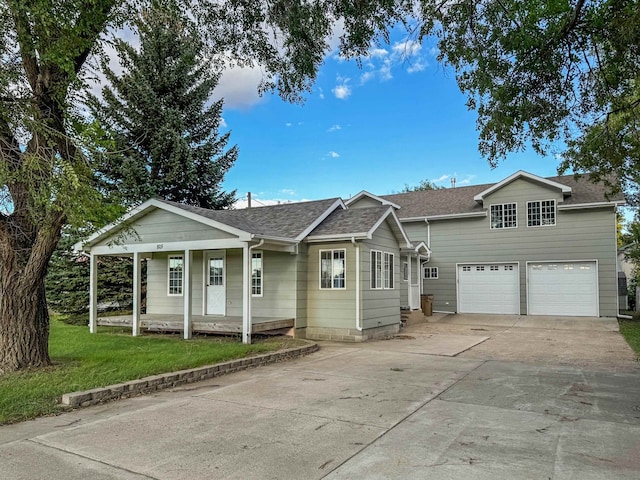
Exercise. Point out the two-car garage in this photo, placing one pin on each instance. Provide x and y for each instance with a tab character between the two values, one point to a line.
553	288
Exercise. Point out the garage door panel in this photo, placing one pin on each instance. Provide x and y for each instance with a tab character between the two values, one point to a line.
484	288
563	288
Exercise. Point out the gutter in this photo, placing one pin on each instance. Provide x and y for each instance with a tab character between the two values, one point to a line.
357	247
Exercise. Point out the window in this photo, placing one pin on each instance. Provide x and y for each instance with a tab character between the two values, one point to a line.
382	270
432	272
332	268
541	213
256	274
466	268
405	271
504	216
176	264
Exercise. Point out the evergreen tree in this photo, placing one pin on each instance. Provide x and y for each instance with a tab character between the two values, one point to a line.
159	116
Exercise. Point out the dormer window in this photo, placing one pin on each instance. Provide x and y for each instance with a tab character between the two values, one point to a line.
504	216
541	213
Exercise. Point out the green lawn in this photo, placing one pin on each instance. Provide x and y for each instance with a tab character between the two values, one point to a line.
82	361
630	330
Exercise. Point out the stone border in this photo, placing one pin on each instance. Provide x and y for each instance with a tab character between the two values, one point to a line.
163	381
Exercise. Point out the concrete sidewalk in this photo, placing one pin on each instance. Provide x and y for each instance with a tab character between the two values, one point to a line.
376	410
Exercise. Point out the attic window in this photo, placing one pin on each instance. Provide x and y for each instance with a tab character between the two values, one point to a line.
504	215
541	213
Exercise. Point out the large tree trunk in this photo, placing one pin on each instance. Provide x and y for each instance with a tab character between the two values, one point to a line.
24	326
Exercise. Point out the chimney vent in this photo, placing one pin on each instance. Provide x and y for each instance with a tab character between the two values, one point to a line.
453	182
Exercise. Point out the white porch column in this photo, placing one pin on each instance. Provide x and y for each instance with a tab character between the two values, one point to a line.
410	284
135	320
246	294
93	293
186	292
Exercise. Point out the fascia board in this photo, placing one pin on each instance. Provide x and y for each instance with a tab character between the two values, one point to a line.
382	219
364	193
320	219
580	206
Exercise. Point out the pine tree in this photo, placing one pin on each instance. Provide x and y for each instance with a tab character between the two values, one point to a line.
159	115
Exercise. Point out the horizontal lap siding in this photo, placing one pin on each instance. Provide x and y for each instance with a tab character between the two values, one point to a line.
162	226
279	286
380	307
578	235
330	308
158	301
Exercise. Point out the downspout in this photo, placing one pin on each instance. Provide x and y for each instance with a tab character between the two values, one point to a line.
357	247
428	233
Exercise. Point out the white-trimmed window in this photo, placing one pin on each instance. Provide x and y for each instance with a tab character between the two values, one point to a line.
176	274
332	269
405	271
541	213
504	215
381	270
256	274
430	273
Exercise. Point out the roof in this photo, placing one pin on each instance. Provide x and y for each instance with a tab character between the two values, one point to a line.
358	223
460	200
287	220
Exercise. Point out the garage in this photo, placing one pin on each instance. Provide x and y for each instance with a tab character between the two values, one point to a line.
488	288
563	288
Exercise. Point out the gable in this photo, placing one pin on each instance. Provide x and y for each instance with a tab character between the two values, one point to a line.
161	226
521	191
364	202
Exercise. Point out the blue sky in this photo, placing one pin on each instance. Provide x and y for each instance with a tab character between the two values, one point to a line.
395	121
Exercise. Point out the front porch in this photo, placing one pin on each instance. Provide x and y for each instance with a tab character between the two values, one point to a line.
223	325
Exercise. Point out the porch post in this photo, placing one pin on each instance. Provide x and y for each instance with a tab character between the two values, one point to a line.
420	279
246	294
410	284
135	321
93	293
186	292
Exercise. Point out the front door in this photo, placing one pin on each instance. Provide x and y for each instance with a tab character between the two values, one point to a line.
215	279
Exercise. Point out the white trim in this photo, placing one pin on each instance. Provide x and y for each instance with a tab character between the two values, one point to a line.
246	294
364	193
261	253
205	299
168	246
555	213
337	237
407	271
446	216
517	265
491	227
616	203
424	270
320	268
169	257
187	289
149	206
135	314
384	274
320	219
93	293
593	260
384	216
522	174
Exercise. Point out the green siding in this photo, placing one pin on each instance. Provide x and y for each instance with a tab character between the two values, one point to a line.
330	308
587	234
161	226
302	265
158	301
380	307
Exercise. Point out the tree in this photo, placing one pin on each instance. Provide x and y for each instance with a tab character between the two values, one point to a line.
423	185
549	73
157	115
47	160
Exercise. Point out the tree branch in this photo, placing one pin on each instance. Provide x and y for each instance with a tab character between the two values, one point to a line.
26	41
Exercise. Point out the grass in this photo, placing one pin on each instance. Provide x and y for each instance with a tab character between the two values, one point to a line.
630	330
82	361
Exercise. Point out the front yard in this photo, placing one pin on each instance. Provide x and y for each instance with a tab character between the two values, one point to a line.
83	361
630	330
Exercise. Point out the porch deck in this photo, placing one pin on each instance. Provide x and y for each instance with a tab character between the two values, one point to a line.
200	323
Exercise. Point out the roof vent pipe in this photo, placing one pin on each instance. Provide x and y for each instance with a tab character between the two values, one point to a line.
248	199
453	182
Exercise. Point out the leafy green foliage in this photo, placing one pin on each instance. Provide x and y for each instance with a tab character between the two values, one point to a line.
423	185
545	72
158	117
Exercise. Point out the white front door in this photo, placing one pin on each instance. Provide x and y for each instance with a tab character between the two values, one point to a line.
215	280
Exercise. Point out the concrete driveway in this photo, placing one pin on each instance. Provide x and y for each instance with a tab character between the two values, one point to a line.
445	400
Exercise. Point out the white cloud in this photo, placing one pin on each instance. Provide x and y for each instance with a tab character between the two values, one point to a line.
260	202
417	66
342	91
287	191
321	93
333	154
442	178
223	123
378	52
239	87
366	76
333	128
288	124
406	49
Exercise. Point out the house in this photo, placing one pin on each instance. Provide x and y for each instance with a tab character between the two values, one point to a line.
344	269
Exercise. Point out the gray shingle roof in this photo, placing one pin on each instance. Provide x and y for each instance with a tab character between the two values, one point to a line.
459	200
355	220
287	220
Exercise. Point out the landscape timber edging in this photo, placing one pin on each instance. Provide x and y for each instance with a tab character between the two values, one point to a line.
163	381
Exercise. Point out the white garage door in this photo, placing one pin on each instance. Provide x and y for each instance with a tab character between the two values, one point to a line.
488	288
563	288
